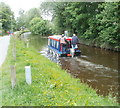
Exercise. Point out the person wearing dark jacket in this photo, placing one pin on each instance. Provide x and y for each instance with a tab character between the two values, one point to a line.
74	41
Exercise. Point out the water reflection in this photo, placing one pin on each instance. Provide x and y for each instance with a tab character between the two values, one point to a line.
100	56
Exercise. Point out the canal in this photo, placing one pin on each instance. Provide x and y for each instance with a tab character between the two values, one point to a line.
96	67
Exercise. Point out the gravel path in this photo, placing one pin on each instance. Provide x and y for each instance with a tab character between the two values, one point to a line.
4	43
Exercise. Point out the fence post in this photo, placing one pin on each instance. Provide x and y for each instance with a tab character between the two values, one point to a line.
27	43
14	48
13	76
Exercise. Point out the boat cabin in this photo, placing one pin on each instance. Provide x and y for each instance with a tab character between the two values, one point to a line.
54	46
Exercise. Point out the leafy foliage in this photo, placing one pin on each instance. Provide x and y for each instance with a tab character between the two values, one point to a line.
25	17
30	14
94	21
6	17
32	20
109	23
39	26
21	19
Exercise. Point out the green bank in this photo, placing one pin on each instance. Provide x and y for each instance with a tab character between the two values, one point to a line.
51	86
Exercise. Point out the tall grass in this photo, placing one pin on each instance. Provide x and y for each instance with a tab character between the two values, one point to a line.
51	86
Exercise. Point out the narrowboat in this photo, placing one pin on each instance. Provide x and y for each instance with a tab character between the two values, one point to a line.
55	48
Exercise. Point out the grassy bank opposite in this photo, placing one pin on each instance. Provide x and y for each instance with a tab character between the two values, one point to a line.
51	86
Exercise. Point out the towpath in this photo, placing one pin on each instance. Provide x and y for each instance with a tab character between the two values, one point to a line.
4	43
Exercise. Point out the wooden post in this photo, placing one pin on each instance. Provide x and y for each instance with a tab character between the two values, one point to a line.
14	49
28	74
13	76
27	43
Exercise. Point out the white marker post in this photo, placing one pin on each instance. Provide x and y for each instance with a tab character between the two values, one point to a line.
28	74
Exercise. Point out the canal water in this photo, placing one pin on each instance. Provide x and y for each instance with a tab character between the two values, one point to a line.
96	67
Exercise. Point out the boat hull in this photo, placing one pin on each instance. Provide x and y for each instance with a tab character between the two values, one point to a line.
63	54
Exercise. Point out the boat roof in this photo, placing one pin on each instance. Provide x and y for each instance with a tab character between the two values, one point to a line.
57	37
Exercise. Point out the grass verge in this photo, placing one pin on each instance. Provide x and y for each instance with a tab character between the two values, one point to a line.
51	86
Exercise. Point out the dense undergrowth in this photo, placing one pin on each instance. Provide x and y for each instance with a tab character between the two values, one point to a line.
98	44
51	86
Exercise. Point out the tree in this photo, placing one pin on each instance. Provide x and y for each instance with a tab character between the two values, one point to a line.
6	17
20	21
30	14
25	17
94	21
71	16
39	26
56	8
109	24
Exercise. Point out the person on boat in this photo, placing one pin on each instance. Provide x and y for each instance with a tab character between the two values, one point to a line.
63	43
74	41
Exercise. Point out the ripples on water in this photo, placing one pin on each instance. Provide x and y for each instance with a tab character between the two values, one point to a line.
103	79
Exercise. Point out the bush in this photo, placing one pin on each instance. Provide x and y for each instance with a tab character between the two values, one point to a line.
39	26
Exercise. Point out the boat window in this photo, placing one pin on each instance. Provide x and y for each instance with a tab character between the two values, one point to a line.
52	43
57	45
